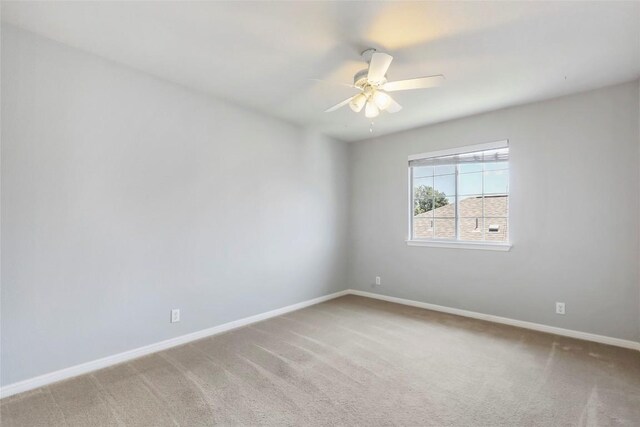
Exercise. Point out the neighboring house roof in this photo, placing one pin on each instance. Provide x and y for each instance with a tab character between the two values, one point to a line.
478	216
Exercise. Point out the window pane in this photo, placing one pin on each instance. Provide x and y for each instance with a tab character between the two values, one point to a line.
470	183
496	182
492	166
470	167
471	228
495	229
496	206
423	200
427	181
445	185
422	227
470	206
423	207
422	171
445	169
444	228
445	207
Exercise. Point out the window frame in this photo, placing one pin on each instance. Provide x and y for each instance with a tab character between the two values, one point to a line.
455	243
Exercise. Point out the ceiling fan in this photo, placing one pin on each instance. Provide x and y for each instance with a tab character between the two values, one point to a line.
374	86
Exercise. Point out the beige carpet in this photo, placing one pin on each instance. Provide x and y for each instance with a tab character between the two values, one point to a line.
354	361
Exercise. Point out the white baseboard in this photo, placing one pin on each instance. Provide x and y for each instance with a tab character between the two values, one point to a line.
104	362
94	365
618	342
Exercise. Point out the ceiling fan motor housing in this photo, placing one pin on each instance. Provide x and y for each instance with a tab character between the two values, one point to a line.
360	80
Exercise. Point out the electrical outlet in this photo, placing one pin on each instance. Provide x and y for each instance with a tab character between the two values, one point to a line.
175	315
377	280
559	308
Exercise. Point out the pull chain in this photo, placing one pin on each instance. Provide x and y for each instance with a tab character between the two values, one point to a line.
371	128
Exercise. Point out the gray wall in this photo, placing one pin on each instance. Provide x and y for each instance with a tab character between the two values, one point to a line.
574	216
124	196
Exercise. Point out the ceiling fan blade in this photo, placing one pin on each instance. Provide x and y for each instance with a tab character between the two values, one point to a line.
419	83
393	107
378	66
340	104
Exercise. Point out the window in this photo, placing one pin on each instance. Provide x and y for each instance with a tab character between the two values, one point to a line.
461	195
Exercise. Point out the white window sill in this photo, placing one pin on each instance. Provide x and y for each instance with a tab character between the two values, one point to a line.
451	244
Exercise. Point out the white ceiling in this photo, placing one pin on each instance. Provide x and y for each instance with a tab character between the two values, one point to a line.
264	55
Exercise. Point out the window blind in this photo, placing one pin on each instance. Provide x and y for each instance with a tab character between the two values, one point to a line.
484	156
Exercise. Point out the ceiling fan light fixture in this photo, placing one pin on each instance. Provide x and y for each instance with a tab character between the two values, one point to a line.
381	99
371	110
358	102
